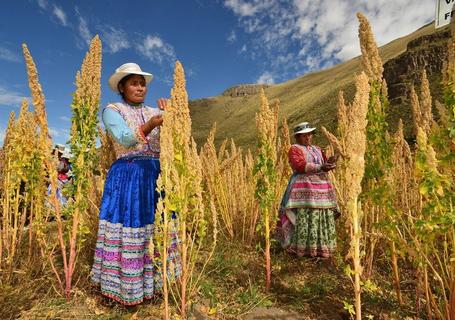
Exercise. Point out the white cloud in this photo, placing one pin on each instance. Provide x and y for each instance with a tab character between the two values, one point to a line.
83	29
8	55
59	132
156	50
232	37
10	98
246	9
60	14
314	34
42	4
265	78
243	49
115	39
65	118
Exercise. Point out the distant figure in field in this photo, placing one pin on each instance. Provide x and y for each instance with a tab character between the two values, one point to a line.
64	174
123	267
308	207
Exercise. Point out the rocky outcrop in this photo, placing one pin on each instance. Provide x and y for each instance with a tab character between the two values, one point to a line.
427	52
244	90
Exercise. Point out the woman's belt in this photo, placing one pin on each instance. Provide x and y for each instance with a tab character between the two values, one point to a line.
140	157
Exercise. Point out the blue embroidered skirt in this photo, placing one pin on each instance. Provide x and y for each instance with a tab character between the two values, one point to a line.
122	265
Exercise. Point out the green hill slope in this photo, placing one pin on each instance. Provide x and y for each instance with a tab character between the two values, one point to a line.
312	97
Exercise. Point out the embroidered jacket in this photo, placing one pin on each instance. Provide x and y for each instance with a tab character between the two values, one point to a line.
310	186
123	123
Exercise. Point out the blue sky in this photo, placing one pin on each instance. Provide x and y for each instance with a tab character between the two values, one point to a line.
221	43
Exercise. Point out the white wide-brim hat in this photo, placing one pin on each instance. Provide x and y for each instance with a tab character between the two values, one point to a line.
127	69
67	155
303	127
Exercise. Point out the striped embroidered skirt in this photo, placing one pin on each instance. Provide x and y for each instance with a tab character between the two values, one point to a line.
123	267
303	229
309	232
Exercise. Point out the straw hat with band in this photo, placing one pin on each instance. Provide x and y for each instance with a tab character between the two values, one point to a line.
303	127
125	70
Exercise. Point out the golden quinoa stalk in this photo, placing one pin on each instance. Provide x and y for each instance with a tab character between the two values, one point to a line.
422	108
266	176
416	110
426	103
402	171
215	184
436	197
84	133
404	188
371	61
9	129
46	165
283	168
83	141
375	195
17	190
353	165
181	209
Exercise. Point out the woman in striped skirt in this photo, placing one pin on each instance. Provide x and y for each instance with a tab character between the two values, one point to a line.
308	207
123	266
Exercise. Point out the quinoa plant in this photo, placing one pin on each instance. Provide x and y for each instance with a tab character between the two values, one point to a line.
266	176
352	146
17	190
82	142
376	191
181	211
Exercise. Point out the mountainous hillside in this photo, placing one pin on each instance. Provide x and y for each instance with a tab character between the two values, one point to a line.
313	97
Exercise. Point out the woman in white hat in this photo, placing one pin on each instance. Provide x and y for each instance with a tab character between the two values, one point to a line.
308	207
122	266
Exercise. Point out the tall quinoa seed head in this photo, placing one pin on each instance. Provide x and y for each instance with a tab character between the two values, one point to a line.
355	140
371	61
425	148
179	105
384	88
88	78
426	103
37	95
9	129
402	168
416	111
266	121
86	97
181	181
